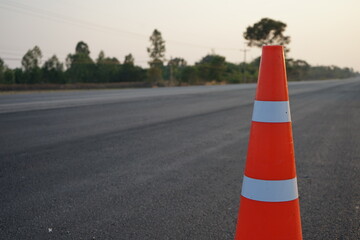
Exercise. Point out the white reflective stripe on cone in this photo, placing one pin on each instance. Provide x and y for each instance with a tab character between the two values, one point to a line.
270	190
271	111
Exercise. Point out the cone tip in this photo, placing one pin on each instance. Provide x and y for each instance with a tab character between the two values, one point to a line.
272	82
273	46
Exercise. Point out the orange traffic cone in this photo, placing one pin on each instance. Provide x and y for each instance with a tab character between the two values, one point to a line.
269	205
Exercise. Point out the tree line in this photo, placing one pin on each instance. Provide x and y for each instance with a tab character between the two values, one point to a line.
79	67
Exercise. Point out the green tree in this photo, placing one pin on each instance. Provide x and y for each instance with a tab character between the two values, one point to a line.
81	68
107	68
53	63
296	69
129	72
6	74
2	70
129	59
19	77
101	57
53	70
9	77
2	65
190	75
31	59
329	72
31	65
82	49
266	31
212	67
178	62
174	70
157	55
234	72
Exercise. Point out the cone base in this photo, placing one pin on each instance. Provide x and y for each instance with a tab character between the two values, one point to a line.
268	220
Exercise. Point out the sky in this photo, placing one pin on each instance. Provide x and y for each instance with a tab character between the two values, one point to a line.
323	32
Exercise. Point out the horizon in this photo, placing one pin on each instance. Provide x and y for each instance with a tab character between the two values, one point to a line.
189	33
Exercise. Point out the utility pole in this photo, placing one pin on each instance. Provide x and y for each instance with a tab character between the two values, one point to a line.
244	63
171	71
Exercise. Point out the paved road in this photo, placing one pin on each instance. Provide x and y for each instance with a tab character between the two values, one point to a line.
167	163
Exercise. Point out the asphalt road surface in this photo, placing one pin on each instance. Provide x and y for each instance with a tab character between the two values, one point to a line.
167	163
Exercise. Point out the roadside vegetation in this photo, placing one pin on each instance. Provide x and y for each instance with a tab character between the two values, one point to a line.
81	70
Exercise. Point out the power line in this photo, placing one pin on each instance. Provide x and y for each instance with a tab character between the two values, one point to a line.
62	19
20	54
11	59
22	8
55	17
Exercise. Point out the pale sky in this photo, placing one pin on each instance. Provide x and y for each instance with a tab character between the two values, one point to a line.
323	32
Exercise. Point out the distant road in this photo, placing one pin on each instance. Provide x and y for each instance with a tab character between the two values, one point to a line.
167	163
